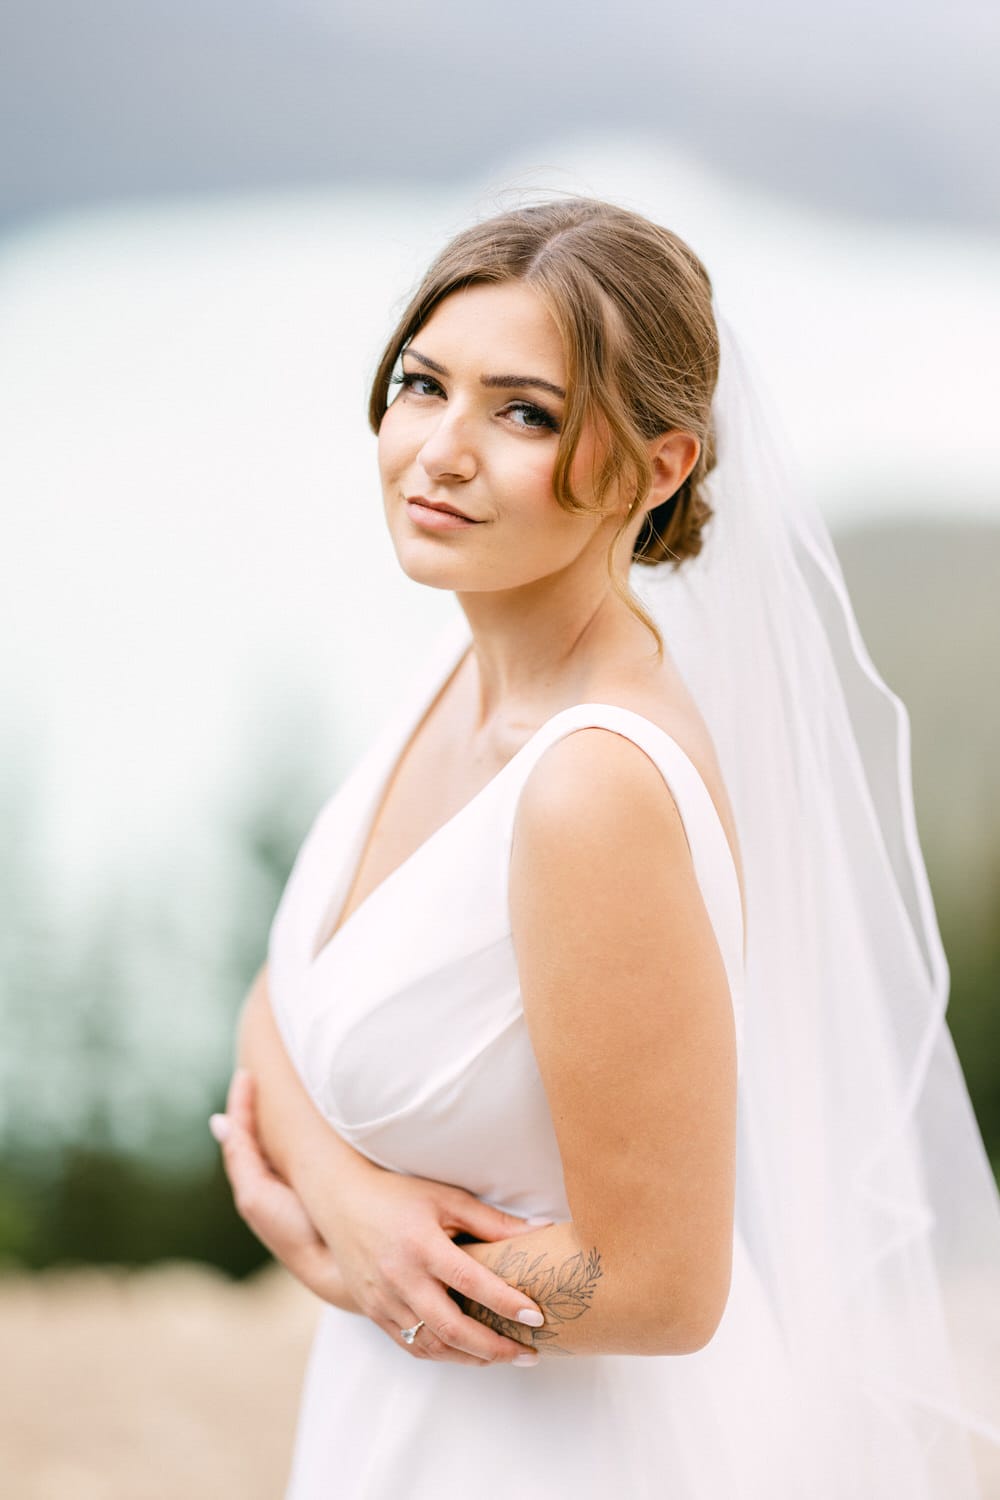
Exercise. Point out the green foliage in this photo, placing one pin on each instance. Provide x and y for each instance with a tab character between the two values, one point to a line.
118	1037
926	599
101	1207
974	1013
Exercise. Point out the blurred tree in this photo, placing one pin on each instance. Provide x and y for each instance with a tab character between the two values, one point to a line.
117	1036
973	948
926	599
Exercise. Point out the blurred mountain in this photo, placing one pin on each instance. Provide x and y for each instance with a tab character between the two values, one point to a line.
927	598
888	109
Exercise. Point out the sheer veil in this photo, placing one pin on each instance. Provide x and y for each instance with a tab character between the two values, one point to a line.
864	1192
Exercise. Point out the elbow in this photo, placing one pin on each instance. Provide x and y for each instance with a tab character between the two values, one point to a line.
681	1322
696	1332
682	1334
704	1318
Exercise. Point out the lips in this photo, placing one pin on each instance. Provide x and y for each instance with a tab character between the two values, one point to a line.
439	505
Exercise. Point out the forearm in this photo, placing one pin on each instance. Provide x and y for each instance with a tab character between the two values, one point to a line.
364	1238
296	1139
269	1206
591	1304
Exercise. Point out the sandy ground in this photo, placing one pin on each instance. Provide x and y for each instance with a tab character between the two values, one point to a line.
167	1384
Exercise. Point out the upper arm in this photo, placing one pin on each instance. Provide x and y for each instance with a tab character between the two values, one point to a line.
628	1006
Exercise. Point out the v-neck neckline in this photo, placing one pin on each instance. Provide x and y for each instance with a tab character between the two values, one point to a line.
376	806
322	946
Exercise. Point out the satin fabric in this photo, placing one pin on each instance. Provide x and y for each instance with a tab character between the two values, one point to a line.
407	1028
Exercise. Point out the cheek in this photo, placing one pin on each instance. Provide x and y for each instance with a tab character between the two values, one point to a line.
398	436
536	479
388	444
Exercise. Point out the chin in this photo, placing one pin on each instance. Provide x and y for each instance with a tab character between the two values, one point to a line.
468	567
431	567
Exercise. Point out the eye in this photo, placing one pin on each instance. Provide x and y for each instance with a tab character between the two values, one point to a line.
413	380
532	416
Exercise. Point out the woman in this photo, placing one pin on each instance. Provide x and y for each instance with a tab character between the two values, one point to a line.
509	967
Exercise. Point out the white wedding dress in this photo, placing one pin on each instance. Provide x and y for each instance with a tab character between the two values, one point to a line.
408	1031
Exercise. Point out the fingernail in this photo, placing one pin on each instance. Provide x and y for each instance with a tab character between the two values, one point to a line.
525	1360
531	1316
219	1126
538	1223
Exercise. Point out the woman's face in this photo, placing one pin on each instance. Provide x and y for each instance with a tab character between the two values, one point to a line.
466	450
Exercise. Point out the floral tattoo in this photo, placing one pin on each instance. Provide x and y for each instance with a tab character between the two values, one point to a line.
562	1292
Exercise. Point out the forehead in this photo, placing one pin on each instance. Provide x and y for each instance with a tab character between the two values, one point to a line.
500	329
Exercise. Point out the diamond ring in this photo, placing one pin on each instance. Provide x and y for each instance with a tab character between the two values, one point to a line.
409	1334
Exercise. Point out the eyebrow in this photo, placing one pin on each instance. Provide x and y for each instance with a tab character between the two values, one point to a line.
494	382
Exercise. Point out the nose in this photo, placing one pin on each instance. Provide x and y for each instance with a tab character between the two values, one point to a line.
448	451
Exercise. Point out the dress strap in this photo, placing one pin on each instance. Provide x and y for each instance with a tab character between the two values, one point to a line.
711	855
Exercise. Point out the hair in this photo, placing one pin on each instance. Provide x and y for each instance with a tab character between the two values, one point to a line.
633	304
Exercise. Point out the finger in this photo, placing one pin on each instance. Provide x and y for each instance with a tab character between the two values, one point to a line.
453	1328
267	1204
248	1172
241	1100
270	1208
396	1315
479	1284
397	1312
485	1222
427	1346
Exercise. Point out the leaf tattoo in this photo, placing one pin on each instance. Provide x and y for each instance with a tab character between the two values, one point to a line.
562	1292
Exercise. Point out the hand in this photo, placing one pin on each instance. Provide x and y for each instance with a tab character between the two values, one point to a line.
268	1205
398	1260
391	1242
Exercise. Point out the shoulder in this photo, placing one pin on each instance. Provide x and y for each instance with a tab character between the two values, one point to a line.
595	785
597	829
599	845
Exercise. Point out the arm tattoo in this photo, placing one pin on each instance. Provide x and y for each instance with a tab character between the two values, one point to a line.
562	1292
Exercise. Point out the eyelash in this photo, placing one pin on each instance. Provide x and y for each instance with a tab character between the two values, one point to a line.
408	380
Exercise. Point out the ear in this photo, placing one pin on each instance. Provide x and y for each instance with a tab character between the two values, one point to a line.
673	455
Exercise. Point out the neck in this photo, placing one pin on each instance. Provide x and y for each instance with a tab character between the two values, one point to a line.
536	644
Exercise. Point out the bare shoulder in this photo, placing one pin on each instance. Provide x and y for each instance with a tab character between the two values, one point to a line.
595	787
598	842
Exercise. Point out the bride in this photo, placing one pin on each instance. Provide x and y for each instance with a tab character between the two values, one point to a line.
603	1011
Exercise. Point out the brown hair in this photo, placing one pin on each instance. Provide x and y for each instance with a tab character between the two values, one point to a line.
634	307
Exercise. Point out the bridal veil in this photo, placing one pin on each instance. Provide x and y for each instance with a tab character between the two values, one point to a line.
864	1191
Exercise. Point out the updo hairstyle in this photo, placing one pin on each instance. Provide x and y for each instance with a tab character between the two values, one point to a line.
634	307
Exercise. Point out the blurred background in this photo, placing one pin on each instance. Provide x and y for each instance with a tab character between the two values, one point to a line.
209	214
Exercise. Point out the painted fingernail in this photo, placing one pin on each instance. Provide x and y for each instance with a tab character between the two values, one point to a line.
219	1126
525	1360
530	1316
